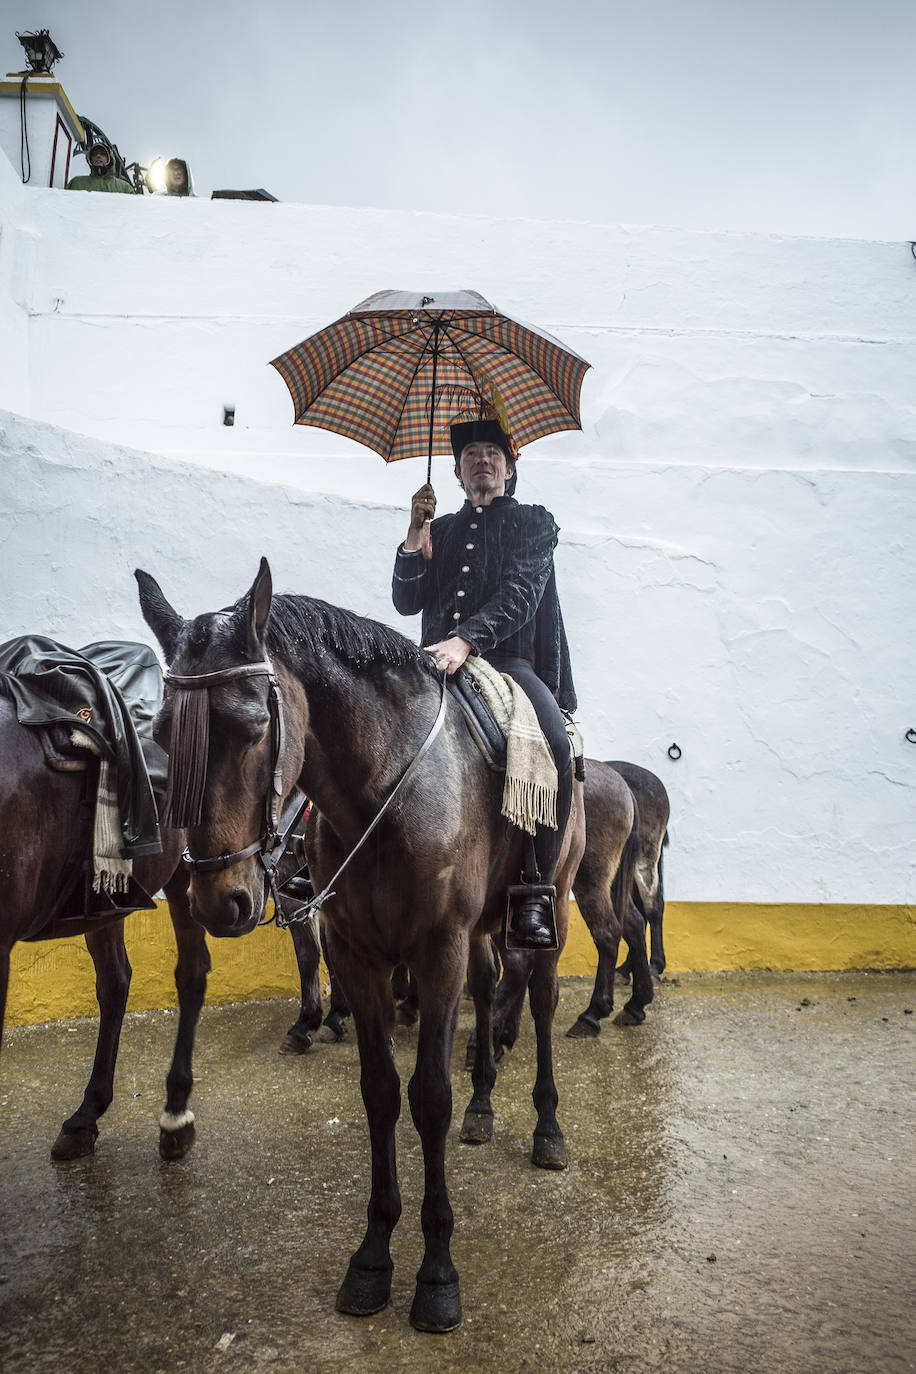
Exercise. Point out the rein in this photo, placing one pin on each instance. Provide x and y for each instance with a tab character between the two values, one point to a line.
306	912
184	805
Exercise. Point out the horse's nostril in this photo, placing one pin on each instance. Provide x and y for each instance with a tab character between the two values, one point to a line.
241	901
227	915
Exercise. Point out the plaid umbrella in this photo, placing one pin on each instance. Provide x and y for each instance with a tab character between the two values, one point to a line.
398	368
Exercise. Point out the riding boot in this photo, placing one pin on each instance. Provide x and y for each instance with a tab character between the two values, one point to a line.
531	908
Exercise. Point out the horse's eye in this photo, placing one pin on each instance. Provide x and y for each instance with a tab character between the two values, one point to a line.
253	728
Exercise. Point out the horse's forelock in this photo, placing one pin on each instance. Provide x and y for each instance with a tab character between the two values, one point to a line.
202	648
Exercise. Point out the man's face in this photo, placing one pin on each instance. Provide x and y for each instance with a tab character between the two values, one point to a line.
174	173
98	158
483	472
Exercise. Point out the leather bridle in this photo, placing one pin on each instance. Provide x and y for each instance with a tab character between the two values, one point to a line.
271	843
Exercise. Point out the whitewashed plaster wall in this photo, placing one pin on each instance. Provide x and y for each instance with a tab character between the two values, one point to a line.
737	515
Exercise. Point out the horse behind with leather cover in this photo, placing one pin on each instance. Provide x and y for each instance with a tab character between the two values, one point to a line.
93	710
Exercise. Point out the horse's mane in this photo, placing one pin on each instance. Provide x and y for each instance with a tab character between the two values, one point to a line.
300	623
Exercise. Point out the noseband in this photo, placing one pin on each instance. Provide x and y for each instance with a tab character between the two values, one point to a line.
270	845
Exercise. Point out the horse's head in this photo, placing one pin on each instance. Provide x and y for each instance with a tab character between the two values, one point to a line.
233	757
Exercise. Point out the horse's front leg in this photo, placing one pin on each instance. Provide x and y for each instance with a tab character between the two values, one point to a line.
176	1124
367	1285
79	1132
477	1127
440	974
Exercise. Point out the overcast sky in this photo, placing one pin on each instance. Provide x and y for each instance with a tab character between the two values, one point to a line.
793	116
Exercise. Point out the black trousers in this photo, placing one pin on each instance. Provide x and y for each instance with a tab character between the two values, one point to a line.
547	842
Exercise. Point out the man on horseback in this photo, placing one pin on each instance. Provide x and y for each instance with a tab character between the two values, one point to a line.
484	581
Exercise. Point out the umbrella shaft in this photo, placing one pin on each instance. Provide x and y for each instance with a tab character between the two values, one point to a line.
432	402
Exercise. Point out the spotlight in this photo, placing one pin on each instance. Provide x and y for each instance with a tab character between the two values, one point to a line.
155	176
41	52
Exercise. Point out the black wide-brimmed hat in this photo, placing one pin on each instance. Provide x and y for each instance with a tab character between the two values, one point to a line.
480	432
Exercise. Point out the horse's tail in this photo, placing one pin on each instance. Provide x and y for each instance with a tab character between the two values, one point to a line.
660	898
623	883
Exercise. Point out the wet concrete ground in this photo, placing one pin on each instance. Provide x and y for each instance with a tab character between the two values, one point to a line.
739	1197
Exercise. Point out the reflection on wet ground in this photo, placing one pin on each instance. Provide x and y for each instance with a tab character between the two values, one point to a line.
739	1197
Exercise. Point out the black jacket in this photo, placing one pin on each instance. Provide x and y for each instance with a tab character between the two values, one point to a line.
491	581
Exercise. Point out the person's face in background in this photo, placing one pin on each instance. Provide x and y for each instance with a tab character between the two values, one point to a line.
175	178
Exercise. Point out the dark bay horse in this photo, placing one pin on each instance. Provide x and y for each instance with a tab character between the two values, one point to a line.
41	833
279	691
649	885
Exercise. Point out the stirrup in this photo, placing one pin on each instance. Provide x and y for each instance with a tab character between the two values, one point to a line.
516	896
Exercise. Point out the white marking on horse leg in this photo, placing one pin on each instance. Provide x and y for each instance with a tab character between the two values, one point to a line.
172	1121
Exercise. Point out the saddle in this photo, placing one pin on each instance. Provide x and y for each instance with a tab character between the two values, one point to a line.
481	722
486	732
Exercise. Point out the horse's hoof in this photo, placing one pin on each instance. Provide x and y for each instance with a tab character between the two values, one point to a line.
549	1152
72	1144
436	1307
477	1128
584	1029
621	975
176	1144
332	1034
405	1017
296	1044
629	1016
364	1291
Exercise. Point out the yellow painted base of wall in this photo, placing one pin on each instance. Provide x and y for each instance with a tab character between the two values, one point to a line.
55	980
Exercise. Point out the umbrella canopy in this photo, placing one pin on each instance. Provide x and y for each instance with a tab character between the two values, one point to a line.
396	369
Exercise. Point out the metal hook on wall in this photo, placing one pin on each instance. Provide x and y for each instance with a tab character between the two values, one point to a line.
910	736
674	751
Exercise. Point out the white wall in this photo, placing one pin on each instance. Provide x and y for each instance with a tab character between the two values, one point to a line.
737	515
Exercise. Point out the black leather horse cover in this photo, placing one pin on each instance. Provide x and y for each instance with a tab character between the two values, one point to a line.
112	691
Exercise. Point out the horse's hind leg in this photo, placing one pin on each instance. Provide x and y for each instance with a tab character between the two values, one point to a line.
79	1132
436	1304
510	997
4	984
477	1127
176	1124
335	1023
600	917
549	1151
308	954
634	932
406	994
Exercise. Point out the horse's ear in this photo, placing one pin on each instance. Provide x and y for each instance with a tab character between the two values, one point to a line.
259	599
163	620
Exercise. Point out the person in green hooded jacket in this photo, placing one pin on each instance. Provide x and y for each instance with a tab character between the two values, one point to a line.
102	173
